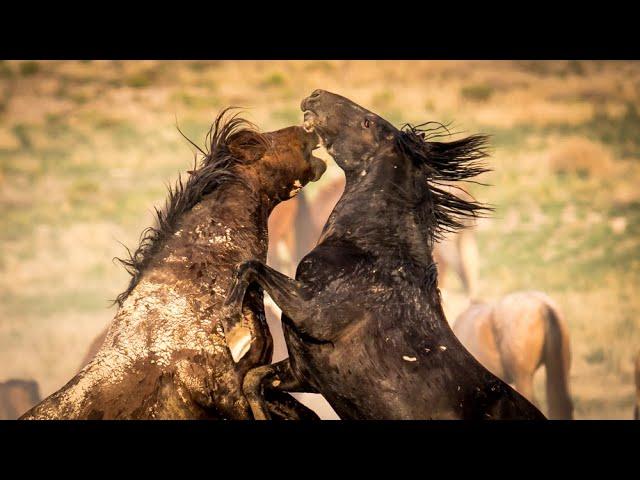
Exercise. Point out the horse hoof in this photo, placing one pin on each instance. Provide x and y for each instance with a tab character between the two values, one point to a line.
239	342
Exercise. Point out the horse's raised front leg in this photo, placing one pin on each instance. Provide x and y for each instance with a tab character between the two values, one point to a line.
262	383
291	296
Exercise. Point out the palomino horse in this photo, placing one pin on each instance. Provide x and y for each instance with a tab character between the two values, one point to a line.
165	354
363	321
16	397
514	336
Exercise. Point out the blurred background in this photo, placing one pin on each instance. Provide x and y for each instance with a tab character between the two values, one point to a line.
87	148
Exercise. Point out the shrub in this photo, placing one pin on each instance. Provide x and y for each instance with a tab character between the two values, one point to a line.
29	68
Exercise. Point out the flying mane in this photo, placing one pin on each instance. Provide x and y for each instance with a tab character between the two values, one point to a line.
439	163
214	169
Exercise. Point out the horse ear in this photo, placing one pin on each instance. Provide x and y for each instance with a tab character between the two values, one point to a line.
246	145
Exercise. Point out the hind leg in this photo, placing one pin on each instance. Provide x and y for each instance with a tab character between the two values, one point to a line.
277	377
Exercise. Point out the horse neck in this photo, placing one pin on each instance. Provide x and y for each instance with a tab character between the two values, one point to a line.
227	227
373	213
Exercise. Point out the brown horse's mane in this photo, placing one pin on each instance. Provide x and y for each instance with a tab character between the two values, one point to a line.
214	169
440	163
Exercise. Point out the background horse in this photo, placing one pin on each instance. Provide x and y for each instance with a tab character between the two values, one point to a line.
16	397
363	321
515	336
165	354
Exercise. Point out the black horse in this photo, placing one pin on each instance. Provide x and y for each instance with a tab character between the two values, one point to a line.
363	321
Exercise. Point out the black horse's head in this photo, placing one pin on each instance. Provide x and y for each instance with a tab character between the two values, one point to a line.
358	140
350	133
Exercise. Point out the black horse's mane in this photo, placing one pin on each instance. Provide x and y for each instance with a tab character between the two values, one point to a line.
441	163
215	168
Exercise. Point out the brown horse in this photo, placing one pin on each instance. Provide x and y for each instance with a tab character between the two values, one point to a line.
291	235
16	397
165	354
514	336
636	413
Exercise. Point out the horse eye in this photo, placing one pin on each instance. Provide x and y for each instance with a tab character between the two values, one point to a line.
366	123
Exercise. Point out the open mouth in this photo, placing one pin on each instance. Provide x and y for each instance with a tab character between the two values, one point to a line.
310	121
312	124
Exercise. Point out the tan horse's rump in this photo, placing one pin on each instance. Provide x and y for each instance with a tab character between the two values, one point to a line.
514	336
16	397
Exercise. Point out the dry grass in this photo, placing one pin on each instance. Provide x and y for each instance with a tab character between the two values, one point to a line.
85	150
581	156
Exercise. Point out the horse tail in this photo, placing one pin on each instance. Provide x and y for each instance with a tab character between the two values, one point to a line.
306	231
557	359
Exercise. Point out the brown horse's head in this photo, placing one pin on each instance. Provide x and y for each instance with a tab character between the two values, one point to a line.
277	163
273	166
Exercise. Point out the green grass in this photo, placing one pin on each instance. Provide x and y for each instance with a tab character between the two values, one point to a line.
139	80
382	99
478	92
28	69
33	305
21	131
5	70
275	79
197	101
619	133
287	116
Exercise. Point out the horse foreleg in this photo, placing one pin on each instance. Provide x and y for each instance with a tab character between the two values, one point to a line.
291	296
468	262
278	377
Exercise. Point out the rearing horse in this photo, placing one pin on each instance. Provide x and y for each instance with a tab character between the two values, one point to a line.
363	321
165	355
